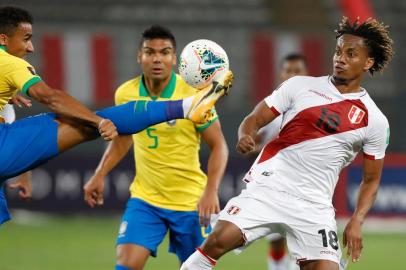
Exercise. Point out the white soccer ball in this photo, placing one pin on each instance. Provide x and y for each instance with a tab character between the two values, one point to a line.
201	62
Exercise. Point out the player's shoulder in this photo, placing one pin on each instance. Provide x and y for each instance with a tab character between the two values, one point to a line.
298	83
129	86
12	61
375	114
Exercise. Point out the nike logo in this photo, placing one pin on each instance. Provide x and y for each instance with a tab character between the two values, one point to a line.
203	65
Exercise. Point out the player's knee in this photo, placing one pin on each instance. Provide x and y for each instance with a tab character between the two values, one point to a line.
126	260
225	237
131	256
216	241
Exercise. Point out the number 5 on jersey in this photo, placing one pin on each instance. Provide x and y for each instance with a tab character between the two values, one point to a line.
154	143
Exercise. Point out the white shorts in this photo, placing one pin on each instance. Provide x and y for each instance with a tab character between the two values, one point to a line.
310	228
274	237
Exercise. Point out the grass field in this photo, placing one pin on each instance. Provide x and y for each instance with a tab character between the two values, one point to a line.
87	243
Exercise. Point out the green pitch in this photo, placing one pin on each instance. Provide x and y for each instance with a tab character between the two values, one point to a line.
84	243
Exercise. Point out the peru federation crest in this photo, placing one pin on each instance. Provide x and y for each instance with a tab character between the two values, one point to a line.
356	115
233	210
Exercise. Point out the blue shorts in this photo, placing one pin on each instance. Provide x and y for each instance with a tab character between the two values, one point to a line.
26	144
146	225
4	214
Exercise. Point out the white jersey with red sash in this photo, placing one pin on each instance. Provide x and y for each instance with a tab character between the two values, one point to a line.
322	132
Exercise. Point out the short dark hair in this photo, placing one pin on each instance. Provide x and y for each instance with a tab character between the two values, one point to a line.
158	32
294	57
11	17
376	38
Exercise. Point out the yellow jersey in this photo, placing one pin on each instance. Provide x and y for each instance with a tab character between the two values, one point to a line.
15	75
168	173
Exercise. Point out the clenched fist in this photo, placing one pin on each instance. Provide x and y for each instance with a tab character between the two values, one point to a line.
245	144
107	130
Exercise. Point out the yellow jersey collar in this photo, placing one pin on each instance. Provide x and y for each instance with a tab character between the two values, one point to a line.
2	47
166	93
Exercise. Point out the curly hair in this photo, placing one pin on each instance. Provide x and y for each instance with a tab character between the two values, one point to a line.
158	32
376	38
11	17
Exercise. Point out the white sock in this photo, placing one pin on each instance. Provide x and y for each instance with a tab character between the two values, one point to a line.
198	261
186	104
281	264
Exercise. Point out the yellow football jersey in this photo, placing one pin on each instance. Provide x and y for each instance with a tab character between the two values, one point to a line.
15	75
168	173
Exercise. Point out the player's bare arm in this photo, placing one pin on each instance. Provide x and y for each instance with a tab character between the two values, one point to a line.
65	105
352	237
114	153
209	201
258	118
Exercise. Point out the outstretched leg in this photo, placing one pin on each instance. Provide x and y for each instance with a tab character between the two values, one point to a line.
31	141
135	116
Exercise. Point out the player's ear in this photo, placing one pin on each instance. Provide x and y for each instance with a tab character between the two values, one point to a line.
369	63
139	57
3	39
175	59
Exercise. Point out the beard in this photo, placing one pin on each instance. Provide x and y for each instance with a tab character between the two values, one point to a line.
339	80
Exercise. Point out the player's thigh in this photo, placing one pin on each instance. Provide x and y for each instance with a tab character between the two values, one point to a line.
142	225
254	217
133	256
185	232
26	144
319	265
311	234
71	133
224	237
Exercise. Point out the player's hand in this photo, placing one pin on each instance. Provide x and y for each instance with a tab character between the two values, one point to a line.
93	190
24	184
352	239
107	129
208	204
245	144
20	101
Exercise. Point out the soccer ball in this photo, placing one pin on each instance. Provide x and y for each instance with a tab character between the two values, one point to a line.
201	62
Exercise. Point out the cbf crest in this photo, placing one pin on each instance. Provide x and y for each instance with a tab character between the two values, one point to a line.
123	229
356	115
171	123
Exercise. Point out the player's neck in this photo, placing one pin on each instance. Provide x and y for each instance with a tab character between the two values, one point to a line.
346	86
156	87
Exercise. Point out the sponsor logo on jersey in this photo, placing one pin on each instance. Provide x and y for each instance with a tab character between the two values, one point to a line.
171	123
233	210
328	252
356	115
321	95
32	70
266	173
